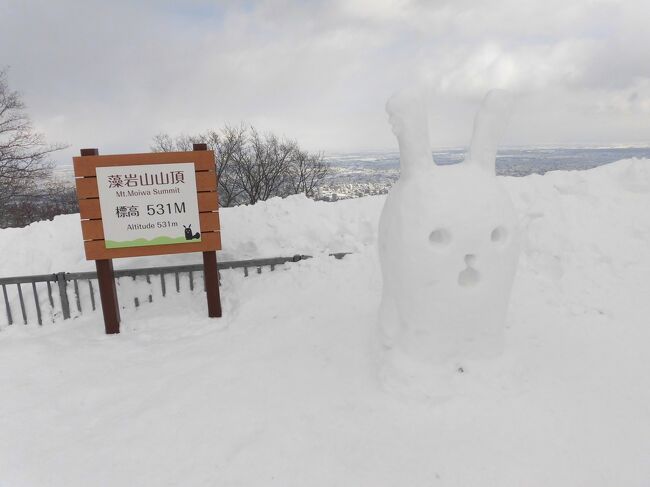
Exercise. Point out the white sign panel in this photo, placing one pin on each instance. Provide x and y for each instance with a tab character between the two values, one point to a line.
149	204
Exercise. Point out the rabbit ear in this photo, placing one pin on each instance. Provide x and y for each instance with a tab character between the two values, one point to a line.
489	125
408	114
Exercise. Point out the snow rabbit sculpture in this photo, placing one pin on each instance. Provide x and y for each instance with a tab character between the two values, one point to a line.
448	243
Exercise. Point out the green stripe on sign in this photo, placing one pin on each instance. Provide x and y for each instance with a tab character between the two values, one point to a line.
142	242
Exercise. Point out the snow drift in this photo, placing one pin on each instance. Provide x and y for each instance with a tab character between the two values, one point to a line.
281	390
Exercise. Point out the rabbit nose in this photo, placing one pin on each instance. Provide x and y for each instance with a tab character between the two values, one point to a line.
469	276
470	259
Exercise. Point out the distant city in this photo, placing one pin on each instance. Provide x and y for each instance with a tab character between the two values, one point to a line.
358	174
368	173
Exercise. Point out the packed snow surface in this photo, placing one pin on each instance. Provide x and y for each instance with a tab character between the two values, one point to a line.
283	390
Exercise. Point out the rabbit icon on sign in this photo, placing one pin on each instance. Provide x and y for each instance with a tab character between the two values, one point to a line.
188	233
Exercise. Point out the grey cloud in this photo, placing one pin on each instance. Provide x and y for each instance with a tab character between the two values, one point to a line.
113	74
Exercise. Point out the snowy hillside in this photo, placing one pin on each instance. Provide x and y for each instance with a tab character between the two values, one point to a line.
283	389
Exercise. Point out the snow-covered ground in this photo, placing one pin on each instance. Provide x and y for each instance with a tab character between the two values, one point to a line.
283	390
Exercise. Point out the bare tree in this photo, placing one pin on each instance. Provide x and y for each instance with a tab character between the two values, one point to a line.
253	167
262	166
54	198
224	145
24	164
230	143
307	172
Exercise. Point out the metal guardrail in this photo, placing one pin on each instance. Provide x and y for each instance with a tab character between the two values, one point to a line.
57	284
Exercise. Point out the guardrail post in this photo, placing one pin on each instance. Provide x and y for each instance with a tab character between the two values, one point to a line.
63	294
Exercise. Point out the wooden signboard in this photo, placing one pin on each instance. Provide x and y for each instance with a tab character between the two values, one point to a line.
148	204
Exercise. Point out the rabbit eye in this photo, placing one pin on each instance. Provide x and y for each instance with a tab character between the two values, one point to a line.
440	237
499	234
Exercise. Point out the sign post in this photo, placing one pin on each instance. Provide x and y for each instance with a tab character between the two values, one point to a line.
210	271
148	204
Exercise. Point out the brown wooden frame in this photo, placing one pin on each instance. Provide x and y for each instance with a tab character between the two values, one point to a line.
90	212
93	231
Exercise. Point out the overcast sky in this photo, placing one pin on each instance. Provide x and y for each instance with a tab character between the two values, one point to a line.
111	74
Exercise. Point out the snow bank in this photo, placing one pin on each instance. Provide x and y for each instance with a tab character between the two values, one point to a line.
276	227
281	391
300	225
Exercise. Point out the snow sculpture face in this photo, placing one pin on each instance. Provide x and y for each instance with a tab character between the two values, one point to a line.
448	243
